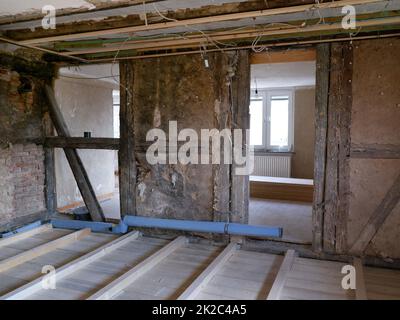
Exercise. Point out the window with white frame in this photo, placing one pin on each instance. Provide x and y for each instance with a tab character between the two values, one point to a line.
271	120
116	101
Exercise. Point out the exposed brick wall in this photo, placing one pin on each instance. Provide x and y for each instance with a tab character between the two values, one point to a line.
22	172
21	181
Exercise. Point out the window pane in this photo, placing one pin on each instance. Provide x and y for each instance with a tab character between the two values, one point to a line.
279	121
256	122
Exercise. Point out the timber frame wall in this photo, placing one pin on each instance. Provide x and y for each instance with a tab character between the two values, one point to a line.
332	146
333	151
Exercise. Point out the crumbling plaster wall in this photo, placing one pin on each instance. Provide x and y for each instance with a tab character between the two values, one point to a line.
22	173
86	106
375	120
182	89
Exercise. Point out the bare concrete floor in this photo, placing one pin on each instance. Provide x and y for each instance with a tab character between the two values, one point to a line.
293	217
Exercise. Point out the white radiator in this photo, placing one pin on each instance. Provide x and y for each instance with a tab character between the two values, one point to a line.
272	166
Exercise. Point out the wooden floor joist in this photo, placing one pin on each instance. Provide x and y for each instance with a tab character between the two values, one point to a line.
361	292
71	267
170	273
202	280
42	249
24	235
127	278
286	266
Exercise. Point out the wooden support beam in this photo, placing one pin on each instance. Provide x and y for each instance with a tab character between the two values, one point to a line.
24	235
127	278
375	151
197	21
279	283
127	154
71	267
240	119
50	170
361	291
274	34
201	281
321	121
297	55
82	143
42	249
75	162
337	177
377	218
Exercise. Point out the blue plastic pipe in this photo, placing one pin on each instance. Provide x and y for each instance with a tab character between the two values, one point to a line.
203	226
25	228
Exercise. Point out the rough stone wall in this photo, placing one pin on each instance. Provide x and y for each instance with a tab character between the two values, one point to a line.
181	89
22	172
375	121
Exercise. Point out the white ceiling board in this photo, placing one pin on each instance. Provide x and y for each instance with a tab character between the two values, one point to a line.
12	7
283	75
101	72
162	6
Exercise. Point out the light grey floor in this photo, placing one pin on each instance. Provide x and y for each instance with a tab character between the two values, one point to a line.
111	207
293	217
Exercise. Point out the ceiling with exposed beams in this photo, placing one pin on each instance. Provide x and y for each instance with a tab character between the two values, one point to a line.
103	30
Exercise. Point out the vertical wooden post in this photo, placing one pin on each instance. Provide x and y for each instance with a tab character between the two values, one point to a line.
78	170
338	149
321	124
50	174
241	120
126	154
222	120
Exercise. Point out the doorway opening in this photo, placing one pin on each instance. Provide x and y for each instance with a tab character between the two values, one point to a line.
282	131
88	97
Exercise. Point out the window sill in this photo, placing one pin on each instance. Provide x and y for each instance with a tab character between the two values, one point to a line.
272	152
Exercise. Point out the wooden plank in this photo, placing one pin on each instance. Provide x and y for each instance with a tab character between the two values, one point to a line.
377	218
375	151
126	154
127	278
25	235
71	267
297	55
78	170
202	280
281	277
82	143
196	21
361	291
321	120
42	249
